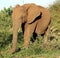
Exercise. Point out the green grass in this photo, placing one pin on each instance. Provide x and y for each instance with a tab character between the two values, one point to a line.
35	50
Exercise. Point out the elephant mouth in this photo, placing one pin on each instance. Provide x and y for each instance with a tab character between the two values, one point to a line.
37	18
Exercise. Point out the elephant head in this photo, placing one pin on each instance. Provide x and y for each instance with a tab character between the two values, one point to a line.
26	13
18	14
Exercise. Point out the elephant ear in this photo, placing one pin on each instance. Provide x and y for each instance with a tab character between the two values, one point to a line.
33	12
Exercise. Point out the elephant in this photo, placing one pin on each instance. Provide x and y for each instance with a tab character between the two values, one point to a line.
33	19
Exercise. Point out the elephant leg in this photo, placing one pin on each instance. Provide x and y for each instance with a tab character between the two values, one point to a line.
47	35
29	29
16	26
27	35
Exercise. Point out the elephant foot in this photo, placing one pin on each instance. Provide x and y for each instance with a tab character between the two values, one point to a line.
11	51
26	46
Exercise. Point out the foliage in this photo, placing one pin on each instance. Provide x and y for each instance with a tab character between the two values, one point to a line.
5	23
55	22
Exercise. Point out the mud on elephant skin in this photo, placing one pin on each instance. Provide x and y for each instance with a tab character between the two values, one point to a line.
32	18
